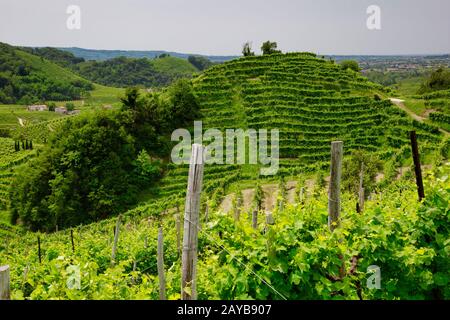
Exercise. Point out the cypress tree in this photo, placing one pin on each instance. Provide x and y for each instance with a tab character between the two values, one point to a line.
31	144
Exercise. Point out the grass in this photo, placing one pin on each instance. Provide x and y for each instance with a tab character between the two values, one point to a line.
99	97
102	95
409	87
174	66
9	115
47	68
415	105
4	217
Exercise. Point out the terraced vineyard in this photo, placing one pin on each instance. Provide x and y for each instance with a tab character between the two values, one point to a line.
311	101
41	131
439	103
9	159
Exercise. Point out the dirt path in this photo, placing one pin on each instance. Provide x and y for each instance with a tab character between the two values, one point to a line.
401	104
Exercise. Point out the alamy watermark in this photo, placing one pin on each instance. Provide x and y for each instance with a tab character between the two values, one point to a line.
374	280
234	146
73	22
373	21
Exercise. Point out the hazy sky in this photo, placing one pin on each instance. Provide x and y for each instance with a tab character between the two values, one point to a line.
221	27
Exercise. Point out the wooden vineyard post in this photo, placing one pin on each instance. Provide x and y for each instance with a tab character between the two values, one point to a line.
334	192
4	283
237	210
178	226
133	280
269	218
160	265
255	219
417	168
206	213
191	219
39	249
302	194
71	238
116	239
361	189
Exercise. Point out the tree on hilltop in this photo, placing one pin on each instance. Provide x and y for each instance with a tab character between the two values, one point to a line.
247	50
269	47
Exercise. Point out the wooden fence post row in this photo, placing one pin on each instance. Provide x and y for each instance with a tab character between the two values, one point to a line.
191	220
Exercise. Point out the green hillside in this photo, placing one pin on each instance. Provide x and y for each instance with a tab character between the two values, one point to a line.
312	102
26	78
173	66
125	72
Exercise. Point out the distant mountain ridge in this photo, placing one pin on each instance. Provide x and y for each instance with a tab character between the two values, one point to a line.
93	54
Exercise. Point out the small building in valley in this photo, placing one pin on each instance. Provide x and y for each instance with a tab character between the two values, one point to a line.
38	107
62	110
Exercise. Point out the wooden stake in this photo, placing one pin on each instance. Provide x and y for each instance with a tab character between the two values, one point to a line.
237	210
334	192
417	168
301	196
361	194
133	280
4	283
71	238
191	220
206	213
116	239
39	249
160	265
178	226
269	218
255	219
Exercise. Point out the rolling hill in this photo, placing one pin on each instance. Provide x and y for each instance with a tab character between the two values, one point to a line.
94	54
125	72
26	78
312	102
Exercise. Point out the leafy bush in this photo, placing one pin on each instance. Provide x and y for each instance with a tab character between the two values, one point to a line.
350	64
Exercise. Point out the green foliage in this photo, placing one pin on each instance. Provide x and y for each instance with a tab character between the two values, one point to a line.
80	176
298	256
247	50
269	47
125	72
70	106
146	169
95	164
350	64
26	79
351	171
201	63
437	80
60	57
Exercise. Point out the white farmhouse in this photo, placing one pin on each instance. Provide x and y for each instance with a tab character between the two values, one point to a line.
38	107
62	110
